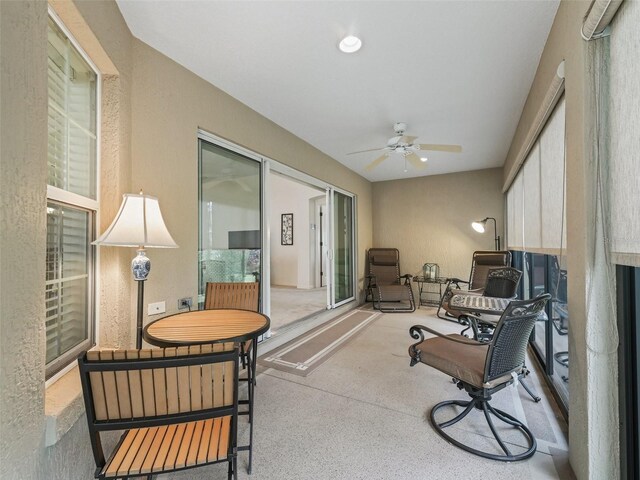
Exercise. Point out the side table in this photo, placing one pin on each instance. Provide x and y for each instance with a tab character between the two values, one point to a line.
426	296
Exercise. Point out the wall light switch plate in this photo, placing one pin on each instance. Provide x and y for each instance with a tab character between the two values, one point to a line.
156	308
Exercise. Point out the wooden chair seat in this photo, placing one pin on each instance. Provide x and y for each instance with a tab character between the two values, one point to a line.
178	408
170	447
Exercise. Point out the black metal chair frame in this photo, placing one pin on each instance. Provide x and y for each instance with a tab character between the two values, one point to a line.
98	426
506	354
458	281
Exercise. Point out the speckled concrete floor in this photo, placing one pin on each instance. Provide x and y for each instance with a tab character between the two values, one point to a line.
361	415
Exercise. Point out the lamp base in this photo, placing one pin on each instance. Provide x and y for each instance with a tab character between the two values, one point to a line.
140	265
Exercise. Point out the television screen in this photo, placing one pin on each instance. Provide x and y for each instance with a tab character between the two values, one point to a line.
245	239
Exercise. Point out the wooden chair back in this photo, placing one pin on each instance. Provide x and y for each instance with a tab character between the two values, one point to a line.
138	388
242	295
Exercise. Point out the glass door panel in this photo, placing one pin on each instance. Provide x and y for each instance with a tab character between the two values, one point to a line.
230	238
535	273
343	242
559	325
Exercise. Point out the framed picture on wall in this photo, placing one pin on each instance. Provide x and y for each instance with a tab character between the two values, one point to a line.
287	229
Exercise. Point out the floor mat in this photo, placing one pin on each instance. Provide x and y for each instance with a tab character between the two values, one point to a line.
304	354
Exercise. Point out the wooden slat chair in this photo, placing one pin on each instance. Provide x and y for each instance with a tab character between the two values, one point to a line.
245	296
242	295
178	407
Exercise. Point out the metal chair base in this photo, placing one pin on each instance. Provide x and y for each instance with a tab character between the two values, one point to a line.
483	404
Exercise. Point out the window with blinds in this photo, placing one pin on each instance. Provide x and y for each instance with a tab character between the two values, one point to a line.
72	200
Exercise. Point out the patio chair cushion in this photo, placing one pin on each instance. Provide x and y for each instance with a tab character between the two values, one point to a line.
464	362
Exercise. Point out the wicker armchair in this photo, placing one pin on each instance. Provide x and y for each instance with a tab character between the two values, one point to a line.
483	369
481	263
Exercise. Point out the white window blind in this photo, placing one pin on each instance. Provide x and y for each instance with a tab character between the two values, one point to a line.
67	276
552	181
72	168
624	108
515	240
536	198
72	117
531	203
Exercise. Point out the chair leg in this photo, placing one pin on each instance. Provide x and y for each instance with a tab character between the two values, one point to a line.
536	398
483	404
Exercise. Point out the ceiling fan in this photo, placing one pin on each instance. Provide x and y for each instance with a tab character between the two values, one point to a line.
403	145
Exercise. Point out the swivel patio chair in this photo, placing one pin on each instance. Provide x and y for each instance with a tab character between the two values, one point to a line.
389	291
481	262
483	369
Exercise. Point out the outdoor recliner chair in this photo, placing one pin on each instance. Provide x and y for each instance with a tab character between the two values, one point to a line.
480	265
390	291
483	369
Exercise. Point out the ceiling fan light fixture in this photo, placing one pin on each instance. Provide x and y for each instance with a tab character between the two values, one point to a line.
423	159
350	44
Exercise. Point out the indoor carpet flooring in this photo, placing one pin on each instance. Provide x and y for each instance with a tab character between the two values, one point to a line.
362	415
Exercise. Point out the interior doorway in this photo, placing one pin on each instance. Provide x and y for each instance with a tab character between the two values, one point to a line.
298	256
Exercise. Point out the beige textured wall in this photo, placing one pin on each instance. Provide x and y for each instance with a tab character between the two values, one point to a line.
23	178
429	218
23	151
593	407
170	103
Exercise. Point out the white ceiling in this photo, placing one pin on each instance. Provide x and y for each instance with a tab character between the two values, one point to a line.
456	72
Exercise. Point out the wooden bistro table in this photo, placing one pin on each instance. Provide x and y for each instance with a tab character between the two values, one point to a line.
213	326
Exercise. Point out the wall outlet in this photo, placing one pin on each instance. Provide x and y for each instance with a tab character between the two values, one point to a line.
156	308
184	303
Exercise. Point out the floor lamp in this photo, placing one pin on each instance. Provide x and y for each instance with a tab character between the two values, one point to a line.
480	225
138	224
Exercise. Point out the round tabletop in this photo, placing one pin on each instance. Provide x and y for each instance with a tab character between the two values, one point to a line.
206	326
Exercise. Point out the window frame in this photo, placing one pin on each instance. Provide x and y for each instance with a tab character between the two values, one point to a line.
62	364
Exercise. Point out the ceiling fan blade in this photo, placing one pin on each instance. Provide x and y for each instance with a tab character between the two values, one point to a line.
415	161
365	151
441	148
376	162
408	138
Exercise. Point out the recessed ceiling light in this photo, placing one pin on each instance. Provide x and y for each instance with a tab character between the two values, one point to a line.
423	159
350	44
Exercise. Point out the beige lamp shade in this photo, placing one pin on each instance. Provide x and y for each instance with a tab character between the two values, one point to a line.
138	223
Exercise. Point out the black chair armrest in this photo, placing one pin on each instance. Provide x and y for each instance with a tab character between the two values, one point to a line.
416	333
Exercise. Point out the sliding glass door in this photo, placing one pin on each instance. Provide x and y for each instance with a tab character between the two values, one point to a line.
240	195
230	239
343	278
